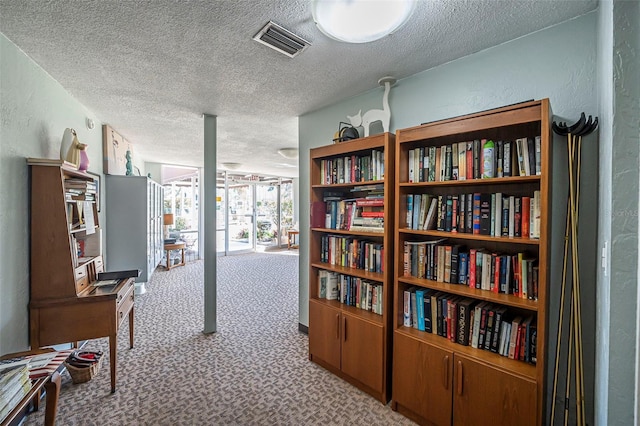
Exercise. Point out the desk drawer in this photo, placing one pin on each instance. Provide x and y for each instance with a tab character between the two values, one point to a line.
125	304
124	291
82	278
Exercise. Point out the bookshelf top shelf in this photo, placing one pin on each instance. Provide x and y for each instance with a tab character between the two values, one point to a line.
353	146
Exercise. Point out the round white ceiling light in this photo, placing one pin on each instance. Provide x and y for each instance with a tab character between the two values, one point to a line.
360	21
231	166
290	153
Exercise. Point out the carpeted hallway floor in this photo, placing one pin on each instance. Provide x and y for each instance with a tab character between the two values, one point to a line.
253	371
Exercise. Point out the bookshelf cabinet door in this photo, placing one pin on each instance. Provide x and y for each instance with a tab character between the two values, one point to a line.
483	395
325	325
422	379
362	351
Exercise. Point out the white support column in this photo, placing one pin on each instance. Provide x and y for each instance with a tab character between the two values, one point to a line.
209	223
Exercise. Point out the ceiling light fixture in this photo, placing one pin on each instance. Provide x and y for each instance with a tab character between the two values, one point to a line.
290	153
231	166
360	21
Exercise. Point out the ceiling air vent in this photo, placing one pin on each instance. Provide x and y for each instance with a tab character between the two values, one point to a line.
282	40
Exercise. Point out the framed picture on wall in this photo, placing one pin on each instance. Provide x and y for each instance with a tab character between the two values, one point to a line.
97	179
115	149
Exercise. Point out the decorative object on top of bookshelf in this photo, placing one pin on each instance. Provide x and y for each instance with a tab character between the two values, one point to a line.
74	151
375	115
472	267
345	133
83	165
574	133
67	141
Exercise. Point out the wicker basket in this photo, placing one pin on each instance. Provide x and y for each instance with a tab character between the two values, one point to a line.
84	374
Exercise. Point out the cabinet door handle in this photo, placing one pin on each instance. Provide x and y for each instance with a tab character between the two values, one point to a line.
459	374
338	326
445	372
344	328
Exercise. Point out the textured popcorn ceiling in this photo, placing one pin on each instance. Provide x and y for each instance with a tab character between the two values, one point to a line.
151	68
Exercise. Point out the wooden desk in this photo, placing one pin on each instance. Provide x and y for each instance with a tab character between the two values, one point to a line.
175	246
291	239
94	313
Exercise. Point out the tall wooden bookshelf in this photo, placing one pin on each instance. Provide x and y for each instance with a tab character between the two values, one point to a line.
351	335
445	380
66	258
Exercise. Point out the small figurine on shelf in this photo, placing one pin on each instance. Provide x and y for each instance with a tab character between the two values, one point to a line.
129	165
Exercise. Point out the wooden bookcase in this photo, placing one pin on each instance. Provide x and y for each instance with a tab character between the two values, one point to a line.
439	381
353	343
66	257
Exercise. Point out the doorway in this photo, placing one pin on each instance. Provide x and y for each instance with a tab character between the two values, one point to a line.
253	212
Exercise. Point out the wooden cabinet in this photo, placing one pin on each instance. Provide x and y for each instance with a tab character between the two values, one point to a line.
134	221
485	395
66	256
478	261
424	382
350	324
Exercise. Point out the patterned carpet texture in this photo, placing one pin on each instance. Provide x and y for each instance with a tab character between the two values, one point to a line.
253	371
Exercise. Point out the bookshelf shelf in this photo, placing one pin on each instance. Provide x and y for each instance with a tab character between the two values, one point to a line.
513	180
349	271
347	185
472	237
463	290
351	342
350	232
444	370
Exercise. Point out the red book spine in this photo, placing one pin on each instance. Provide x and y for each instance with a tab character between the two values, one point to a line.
369	203
526	205
469	161
372	214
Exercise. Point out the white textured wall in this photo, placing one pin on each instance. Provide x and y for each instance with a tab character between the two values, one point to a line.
558	63
617	339
35	110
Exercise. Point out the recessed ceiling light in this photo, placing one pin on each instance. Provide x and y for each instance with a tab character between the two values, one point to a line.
231	166
290	153
360	21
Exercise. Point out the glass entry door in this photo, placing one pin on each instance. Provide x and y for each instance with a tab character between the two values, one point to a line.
241	218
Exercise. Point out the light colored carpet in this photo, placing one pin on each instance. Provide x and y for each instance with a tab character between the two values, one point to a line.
253	371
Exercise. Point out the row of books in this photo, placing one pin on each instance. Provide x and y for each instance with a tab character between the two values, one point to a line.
492	214
477	159
469	322
353	168
14	385
351	291
365	214
352	252
516	274
78	189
